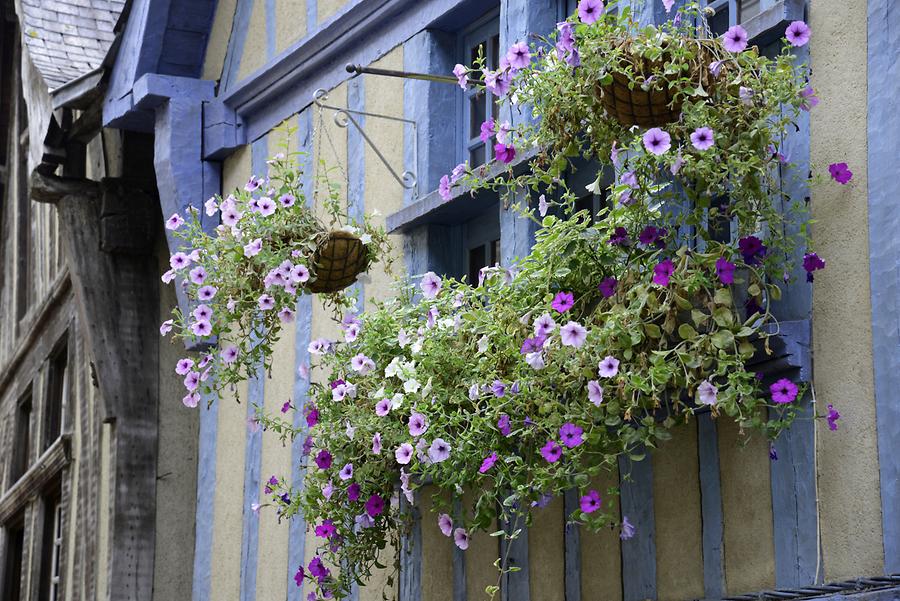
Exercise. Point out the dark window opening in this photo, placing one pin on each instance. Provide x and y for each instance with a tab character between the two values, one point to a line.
12	573
22	440
57	392
51	547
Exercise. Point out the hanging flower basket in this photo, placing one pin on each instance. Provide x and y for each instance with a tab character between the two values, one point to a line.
339	260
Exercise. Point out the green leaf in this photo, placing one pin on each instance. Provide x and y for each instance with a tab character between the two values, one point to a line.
722	339
723	317
652	330
722	297
687	332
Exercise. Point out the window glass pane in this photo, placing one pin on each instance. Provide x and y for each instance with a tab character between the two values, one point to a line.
477	114
476	262
719	23
51	547
476	155
56	394
474	52
494	57
495	252
22	438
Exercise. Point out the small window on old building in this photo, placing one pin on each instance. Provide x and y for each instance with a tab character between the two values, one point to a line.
483	39
12	568
57	391
481	242
22	439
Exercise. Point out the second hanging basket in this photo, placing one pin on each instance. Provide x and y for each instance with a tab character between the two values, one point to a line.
339	259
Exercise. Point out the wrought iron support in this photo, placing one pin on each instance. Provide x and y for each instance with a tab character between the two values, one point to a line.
359	70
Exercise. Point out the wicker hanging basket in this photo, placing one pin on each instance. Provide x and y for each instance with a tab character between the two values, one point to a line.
659	104
339	260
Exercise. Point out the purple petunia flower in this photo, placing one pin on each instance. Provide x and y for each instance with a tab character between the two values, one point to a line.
773	453
498	388
439	450
811	263
418	425
725	270
619	237
663	271
444	188
735	39
461	538
627	529
346	472
326	529
318	569
174	222
715	67
752	249
607	286
518	55
374	506
312	416
808	98
353	492
504	153
595	392
657	141
797	33
551	452
702	138
286	406
532	345
590	10
840	173
445	523
706	393
404	453
503	425
609	367
783	391
461	74
487	130
571	435
207	293
563	301
430	284
832	417
299	575
573	334
591	502
323	460
488	463
383	407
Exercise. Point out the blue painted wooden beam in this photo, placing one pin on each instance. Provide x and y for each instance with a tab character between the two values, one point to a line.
206	488
312	16
712	518
459	560
271	35
639	552
515	586
572	547
356	166
253	453
884	259
411	557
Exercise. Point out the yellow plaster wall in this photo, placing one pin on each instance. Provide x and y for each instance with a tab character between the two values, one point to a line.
437	554
217	45
327	9
546	553
850	501
676	506
601	552
290	26
747	510
225	572
483	551
255	44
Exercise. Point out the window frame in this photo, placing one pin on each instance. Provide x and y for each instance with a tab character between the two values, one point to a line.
22	437
483	31
56	393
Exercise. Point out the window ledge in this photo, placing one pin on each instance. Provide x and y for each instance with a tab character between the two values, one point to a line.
33	481
462	205
878	588
769	25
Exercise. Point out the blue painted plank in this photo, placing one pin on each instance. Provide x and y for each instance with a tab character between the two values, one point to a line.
711	508
271	35
884	259
411	557
303	335
459	559
206	489
572	547
515	586
639	552
253	451
312	16
235	50
356	167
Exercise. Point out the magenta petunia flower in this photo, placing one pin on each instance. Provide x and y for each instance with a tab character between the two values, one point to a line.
702	138
503	425
174	222
346	472
326	529
445	523
418	425
663	271
404	453
504	153
783	391
551	452
706	393
595	392
573	334
488	463
461	74
811	263
430	284
461	538
487	130
591	502
627	529
563	301
657	141
323	460
839	173
832	417
735	39
299	575
571	435
725	270
439	450
590	10
607	286
374	506
609	367
518	55
797	33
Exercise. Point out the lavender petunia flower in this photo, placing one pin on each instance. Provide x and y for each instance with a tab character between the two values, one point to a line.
571	435
532	345
404	453
184	366
207	293
609	367
573	334
535	360
461	74
808	98
444	188
266	206
735	39
590	10
657	141
551	452
487	130
266	302
461	538
166	327
498	388
783	391
430	284
174	222
418	425
376	443
503	425
439	450
346	472
286	315
201	328
192	399
445	524
543	325
591	502
702	138
706	393
595	392
518	55
543	207
797	33
627	529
